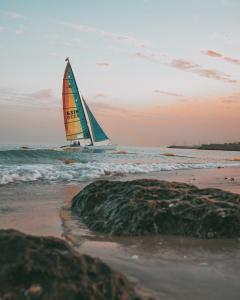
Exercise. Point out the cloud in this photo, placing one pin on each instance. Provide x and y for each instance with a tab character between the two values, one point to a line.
168	93
148	56
2	28
220	55
43	99
212	53
214	74
102	64
116	112
209	119
180	64
185	65
195	68
100	95
232	60
108	34
43	94
13	15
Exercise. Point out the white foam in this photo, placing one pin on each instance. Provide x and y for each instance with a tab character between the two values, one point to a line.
83	171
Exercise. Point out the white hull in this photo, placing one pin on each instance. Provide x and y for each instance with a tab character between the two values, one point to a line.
89	148
101	147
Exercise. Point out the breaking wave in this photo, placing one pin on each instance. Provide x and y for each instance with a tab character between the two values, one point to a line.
87	171
55	165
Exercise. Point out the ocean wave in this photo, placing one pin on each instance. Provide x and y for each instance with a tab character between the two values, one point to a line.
23	156
87	171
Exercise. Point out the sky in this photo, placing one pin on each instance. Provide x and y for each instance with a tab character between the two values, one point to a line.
153	72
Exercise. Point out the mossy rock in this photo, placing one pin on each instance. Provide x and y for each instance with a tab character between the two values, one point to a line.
47	268
145	206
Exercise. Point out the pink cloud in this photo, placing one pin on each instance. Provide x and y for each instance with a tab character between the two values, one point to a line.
183	64
188	66
210	73
220	55
232	60
212	53
194	68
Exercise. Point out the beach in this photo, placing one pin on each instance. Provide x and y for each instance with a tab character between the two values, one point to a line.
119	150
172	267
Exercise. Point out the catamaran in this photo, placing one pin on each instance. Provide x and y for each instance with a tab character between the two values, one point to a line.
82	129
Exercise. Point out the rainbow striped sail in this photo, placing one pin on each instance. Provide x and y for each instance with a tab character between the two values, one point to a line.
80	124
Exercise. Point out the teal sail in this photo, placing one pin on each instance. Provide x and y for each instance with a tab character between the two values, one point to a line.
98	133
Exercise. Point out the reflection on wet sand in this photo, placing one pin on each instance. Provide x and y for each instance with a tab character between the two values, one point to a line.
174	267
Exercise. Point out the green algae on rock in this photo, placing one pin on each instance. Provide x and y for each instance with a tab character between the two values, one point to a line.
149	206
46	268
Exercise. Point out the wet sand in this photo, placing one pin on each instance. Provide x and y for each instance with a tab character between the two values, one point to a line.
173	267
223	178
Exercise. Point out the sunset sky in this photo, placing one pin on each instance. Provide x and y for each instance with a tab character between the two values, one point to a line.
154	72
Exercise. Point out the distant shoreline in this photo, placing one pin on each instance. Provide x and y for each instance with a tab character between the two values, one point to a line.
223	147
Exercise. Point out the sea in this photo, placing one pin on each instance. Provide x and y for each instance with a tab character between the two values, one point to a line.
53	164
37	184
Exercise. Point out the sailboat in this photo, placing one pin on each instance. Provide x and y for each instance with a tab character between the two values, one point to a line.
82	128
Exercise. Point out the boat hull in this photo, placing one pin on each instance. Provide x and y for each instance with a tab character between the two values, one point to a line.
89	148
101	147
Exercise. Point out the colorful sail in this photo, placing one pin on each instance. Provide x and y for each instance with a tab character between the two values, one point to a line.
74	118
98	133
80	124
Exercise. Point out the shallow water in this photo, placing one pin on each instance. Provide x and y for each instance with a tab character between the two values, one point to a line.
173	267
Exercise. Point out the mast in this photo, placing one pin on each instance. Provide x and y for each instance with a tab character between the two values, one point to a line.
83	106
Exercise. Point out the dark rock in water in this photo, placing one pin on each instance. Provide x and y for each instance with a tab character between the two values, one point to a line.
48	269
150	206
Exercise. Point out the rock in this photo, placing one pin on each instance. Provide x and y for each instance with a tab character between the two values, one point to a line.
68	161
230	178
150	206
47	268
121	152
168	154
234	158
34	290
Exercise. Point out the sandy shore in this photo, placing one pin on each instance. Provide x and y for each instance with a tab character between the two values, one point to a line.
223	178
173	267
34	208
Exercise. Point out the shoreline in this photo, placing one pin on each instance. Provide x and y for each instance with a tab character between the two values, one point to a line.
164	264
227	178
34	208
217	147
